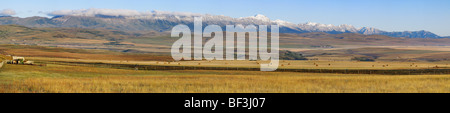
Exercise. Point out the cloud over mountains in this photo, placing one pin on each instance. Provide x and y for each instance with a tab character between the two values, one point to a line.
124	19
116	13
7	12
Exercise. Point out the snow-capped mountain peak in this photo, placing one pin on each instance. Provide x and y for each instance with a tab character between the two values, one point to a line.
258	17
164	21
312	23
261	17
283	23
369	31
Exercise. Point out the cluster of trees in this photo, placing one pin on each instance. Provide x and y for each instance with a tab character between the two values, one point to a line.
289	55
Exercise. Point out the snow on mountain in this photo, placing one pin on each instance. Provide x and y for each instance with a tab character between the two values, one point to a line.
258	17
186	17
369	31
317	27
283	23
121	19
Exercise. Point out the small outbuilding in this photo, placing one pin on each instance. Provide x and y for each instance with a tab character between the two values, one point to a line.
19	60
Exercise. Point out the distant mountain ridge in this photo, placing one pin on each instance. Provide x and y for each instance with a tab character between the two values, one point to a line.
159	21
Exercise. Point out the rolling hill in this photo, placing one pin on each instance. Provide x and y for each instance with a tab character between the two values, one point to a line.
313	45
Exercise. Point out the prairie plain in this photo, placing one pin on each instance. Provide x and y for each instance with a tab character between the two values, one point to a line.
84	75
76	60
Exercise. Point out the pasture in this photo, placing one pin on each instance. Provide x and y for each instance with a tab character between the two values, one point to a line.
79	71
283	64
79	79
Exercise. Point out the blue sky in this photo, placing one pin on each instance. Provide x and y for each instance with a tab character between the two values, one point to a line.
389	15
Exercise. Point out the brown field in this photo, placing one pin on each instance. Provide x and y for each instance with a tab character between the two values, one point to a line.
78	79
85	78
283	64
92	54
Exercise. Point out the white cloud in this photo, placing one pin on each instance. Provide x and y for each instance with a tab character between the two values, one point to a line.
115	12
7	12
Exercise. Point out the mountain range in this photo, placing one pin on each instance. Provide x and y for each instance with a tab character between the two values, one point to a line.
160	21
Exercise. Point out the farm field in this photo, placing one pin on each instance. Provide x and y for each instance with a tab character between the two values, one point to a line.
283	64
83	75
79	79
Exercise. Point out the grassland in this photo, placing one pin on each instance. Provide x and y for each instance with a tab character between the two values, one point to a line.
68	78
79	79
284	64
153	41
90	54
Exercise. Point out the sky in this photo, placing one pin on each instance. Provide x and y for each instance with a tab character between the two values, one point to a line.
388	15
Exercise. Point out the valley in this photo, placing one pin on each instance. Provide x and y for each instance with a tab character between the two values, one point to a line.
69	70
68	60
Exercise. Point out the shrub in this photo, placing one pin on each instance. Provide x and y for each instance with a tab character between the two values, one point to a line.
289	55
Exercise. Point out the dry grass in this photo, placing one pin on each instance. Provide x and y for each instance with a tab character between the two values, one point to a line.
77	79
58	52
305	83
283	64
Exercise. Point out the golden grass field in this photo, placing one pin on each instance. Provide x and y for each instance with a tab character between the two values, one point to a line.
49	45
79	79
283	64
68	78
